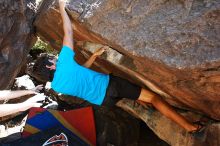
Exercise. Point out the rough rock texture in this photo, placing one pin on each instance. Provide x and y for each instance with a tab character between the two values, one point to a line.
16	37
173	44
113	127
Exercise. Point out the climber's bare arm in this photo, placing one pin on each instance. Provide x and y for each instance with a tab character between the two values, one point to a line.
90	61
67	27
8	94
99	52
34	101
8	109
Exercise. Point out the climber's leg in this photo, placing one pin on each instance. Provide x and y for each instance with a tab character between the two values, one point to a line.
162	106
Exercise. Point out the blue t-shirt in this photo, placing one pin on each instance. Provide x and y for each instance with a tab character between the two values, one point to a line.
73	79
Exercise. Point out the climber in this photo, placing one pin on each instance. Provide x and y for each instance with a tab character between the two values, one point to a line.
8	109
68	77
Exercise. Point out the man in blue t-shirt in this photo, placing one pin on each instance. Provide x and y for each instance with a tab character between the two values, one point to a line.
73	79
68	77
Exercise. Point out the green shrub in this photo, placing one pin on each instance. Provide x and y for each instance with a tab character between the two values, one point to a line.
43	46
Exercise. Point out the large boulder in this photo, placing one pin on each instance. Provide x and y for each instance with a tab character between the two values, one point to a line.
16	37
172	44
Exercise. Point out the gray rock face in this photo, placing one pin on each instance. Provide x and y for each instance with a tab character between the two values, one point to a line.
178	34
173	44
16	37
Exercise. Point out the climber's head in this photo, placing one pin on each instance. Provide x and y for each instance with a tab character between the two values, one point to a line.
44	68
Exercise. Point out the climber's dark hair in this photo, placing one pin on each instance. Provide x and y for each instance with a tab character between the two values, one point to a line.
40	71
